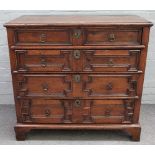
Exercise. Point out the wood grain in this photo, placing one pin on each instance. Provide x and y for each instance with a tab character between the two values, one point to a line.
69	20
78	72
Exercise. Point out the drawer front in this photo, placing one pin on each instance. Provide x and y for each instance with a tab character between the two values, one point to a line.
43	60
76	85
77	60
40	36
76	111
100	85
78	36
104	36
111	60
42	85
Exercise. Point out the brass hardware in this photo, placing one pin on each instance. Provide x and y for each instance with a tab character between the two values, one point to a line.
109	86
108	113
77	103
77	78
43	61
45	86
47	112
110	62
43	38
43	64
111	37
76	54
77	34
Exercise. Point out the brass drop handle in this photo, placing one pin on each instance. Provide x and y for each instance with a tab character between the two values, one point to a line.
77	78
43	38
77	34
111	37
108	113
43	62
77	103
76	54
43	65
45	86
109	86
47	112
110	62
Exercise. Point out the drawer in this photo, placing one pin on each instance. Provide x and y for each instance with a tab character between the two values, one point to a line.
55	36
78	36
114	36
44	85
43	60
76	111
76	85
77	60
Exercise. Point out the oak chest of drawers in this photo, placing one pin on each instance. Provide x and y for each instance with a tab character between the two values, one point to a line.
78	72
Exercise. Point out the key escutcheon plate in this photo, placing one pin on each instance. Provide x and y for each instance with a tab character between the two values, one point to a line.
77	78
76	54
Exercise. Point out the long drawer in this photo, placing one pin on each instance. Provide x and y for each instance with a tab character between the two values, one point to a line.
76	111
76	85
77	60
79	36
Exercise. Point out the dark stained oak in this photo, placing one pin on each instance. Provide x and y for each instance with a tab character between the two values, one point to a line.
78	72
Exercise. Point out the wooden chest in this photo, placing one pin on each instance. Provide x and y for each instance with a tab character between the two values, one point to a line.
78	72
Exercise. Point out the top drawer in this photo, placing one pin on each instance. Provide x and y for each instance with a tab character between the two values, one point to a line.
78	36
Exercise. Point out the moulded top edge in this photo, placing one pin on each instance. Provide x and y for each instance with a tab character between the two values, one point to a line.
77	20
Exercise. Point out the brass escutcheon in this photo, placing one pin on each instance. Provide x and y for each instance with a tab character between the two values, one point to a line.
111	37
77	103
77	78
76	54
77	34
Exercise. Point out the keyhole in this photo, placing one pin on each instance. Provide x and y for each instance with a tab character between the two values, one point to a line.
76	54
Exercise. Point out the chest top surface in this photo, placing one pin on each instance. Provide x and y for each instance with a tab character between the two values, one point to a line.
66	20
